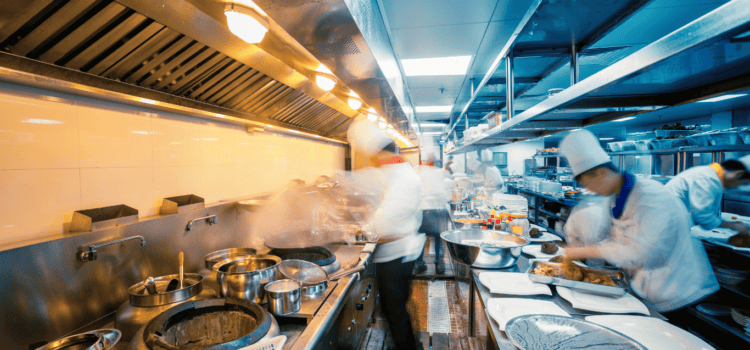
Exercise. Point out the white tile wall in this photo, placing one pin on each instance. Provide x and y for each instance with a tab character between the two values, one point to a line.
58	156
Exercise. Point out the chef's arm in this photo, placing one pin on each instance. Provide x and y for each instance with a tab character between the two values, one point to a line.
580	253
735	225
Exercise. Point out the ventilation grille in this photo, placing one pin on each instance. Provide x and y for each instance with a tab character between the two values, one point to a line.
104	38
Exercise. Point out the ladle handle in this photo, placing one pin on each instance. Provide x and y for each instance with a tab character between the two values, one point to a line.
181	259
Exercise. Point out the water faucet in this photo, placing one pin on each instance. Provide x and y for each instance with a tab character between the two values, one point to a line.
90	255
210	219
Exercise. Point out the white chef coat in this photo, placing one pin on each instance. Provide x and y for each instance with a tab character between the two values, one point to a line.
493	178
398	217
436	187
700	189
652	241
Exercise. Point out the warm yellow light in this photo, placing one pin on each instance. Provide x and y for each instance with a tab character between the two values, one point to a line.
372	117
381	125
325	78
354	100
246	22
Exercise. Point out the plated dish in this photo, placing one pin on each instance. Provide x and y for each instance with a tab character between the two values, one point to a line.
506	309
602	303
535	250
538	332
652	333
512	283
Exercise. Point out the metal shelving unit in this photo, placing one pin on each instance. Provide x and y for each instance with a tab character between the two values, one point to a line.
682	156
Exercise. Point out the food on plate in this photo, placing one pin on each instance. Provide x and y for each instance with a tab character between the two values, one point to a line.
549	248
545	270
734	218
535	233
470	221
740	240
573	272
598	279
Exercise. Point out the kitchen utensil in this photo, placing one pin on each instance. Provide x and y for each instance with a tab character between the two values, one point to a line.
620	278
101	339
537	332
173	285
276	343
512	283
284	296
741	316
244	277
714	309
483	257
505	309
313	278
149	285
603	303
212	258
651	332
181	259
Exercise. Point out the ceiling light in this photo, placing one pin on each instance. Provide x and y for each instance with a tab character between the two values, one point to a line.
456	65
325	78
624	119
41	121
427	125
434	109
722	98
606	138
382	125
433	133
145	100
354	101
247	21
372	115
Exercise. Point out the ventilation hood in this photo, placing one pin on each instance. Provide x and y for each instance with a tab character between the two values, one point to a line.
179	55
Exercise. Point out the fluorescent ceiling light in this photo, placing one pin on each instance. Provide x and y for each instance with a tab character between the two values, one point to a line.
606	138
456	65
433	133
624	119
41	121
722	98
246	22
434	109
427	125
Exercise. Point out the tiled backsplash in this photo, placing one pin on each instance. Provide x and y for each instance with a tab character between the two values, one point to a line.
58	155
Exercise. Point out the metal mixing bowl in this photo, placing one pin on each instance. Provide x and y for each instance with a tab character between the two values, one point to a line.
245	277
483	257
212	258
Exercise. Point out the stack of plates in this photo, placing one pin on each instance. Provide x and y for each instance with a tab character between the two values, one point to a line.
741	316
729	276
511	203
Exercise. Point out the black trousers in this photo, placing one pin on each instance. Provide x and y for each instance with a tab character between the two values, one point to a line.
393	282
434	222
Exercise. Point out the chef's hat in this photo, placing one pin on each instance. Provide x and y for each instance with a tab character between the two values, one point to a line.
486	155
365	137
583	151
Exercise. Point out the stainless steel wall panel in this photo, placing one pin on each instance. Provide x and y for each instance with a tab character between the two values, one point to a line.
84	32
199	74
184	68
109	39
164	69
125	48
145	51
156	60
60	20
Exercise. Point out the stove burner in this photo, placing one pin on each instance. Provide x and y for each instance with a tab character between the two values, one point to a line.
317	255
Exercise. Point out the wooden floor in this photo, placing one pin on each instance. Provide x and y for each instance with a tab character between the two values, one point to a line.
378	337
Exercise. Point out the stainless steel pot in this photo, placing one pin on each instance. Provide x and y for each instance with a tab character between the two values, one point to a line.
244	277
483	257
284	296
143	307
101	339
314	279
209	276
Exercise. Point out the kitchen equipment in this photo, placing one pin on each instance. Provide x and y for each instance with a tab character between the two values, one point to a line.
101	339
724	137
242	323
284	296
212	258
741	316
313	278
173	285
506	309
603	303
317	255
620	278
483	257
714	309
181	260
651	332
537	332
142	307
149	285
275	343
244	277
512	283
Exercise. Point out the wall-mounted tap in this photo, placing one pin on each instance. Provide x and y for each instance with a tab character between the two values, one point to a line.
210	219
90	255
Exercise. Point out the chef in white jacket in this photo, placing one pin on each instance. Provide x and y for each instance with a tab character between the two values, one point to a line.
648	236
701	188
396	220
492	178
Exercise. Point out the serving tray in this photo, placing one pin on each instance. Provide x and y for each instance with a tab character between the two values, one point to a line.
619	277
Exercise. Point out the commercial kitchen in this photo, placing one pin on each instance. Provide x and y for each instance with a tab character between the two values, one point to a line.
344	174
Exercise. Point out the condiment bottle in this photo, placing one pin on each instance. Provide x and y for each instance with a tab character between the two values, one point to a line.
519	224
484	224
498	225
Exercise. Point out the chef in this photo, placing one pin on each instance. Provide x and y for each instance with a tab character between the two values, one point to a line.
396	220
648	236
436	193
493	180
701	188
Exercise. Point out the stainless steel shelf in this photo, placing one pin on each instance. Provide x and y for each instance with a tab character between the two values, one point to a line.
723	323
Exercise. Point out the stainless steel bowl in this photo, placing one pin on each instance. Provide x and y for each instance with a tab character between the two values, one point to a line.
245	277
212	258
483	257
101	339
463	226
284	296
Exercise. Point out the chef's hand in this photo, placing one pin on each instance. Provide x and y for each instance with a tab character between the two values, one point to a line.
736	226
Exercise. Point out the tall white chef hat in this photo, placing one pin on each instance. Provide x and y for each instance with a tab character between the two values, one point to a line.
583	151
486	155
365	137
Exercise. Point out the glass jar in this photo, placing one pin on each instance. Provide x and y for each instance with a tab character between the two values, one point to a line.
519	224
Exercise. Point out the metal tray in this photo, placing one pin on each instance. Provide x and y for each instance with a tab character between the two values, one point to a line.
618	276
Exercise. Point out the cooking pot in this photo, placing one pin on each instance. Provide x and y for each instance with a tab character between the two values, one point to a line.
313	278
101	339
209	276
244	277
143	307
242	323
284	296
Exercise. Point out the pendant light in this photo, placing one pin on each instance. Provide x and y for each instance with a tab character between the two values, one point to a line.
381	125
325	78
372	115
354	101
248	22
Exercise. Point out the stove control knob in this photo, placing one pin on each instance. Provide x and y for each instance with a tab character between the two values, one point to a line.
360	307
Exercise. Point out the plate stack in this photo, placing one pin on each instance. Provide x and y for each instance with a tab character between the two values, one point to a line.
728	276
507	203
742	316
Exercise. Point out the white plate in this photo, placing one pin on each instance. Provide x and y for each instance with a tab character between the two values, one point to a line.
546	237
536	251
723	242
600	303
652	333
506	309
513	283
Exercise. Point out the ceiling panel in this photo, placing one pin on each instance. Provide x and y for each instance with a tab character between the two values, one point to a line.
429	13
510	9
432	96
676	3
496	36
448	82
433	116
440	41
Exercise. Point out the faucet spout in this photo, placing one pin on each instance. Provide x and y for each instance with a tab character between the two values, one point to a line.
91	255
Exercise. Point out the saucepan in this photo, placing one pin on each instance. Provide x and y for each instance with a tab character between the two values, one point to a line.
284	296
314	279
244	277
